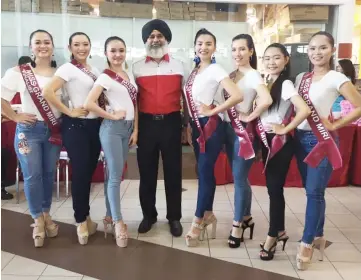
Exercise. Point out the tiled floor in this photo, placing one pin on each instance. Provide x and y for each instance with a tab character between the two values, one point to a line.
342	228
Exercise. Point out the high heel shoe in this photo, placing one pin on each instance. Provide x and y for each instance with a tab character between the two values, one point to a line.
121	235
92	226
303	261
83	233
39	232
321	243
108	223
248	224
51	228
267	255
281	238
193	237
211	220
235	242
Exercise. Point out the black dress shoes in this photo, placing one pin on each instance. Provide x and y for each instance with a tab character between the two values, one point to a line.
146	225
176	228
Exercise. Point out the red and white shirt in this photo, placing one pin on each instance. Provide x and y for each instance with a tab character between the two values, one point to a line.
159	85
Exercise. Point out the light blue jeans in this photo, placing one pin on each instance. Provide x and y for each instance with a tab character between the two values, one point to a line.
114	138
240	171
37	157
315	181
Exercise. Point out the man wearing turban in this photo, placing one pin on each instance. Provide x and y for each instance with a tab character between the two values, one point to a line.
159	78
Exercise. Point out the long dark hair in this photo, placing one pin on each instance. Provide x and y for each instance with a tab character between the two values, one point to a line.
250	45
110	39
331	41
33	64
76	34
348	69
276	89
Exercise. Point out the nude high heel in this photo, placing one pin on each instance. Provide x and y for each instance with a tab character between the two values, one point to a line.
39	232
321	242
302	261
121	235
51	228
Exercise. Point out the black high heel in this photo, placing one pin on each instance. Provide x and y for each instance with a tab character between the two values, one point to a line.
281	238
270	253
235	242
245	225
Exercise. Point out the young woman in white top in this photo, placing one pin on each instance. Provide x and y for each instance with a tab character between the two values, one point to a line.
277	123
118	131
37	156
249	80
208	77
80	128
326	86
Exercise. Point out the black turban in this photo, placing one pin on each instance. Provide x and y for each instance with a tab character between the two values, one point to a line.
156	24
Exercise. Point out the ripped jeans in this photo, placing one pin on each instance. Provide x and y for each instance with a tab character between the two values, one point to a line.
37	157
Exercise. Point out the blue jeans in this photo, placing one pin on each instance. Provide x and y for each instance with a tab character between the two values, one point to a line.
205	164
240	170
315	181
114	138
37	157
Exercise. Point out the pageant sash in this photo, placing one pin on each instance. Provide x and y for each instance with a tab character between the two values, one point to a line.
101	99
326	146
279	141
245	144
41	104
131	89
210	126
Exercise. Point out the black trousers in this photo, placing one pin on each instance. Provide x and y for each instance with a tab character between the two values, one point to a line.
160	134
5	154
81	140
276	173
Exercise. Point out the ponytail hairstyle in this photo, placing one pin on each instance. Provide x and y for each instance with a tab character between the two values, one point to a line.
200	32
250	45
331	40
76	34
32	62
110	39
276	89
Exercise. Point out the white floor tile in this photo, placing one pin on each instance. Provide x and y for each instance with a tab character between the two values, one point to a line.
56	271
343	252
320	270
201	249
17	277
348	271
23	266
345	221
353	234
5	258
219	249
164	240
60	278
284	267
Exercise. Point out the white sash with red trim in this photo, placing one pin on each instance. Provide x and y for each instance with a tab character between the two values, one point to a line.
41	104
326	146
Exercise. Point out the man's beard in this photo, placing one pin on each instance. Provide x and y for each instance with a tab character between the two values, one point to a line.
156	51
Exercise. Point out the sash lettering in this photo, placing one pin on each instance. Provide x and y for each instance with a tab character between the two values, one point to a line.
326	146
245	144
210	126
41	104
101	99
131	89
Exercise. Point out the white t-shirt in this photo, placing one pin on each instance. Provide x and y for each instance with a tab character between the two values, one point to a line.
249	83
277	114
13	82
78	85
118	95
323	93
206	84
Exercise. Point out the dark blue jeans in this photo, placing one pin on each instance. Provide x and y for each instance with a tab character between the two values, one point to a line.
205	165
240	171
315	181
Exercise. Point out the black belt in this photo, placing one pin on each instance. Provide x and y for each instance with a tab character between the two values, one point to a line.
158	117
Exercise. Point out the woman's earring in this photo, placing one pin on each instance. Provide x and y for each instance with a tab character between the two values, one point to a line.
90	56
196	60
32	63
213	59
